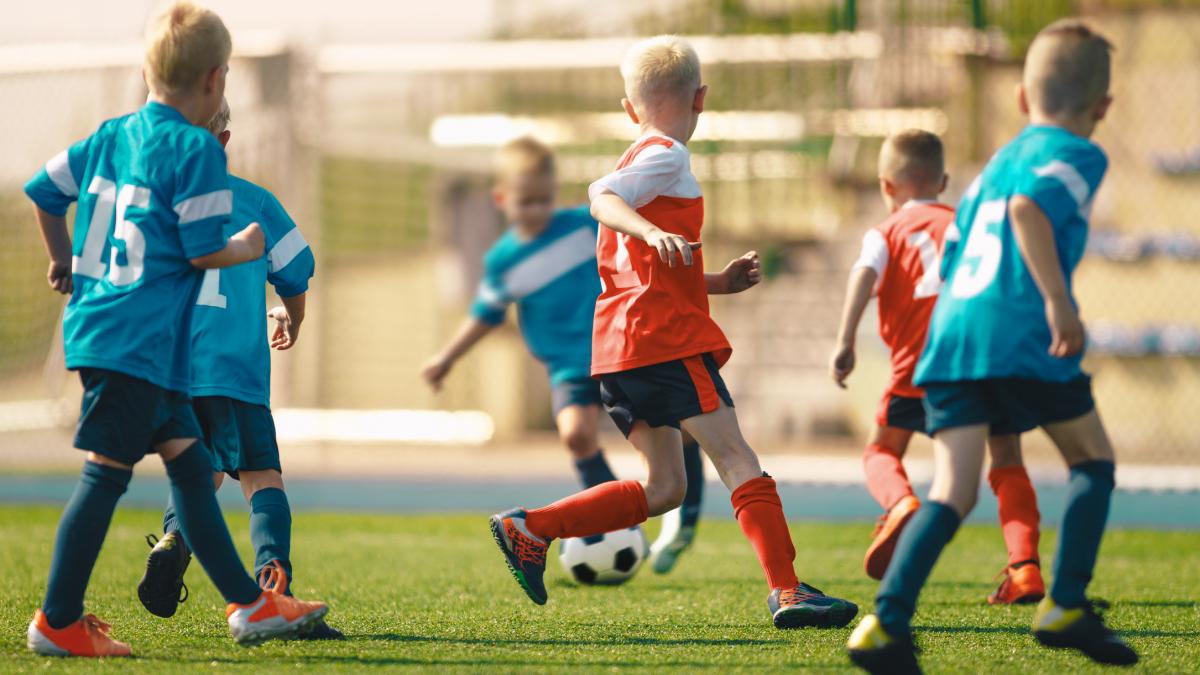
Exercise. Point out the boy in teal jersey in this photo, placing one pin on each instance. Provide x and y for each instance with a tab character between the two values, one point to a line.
230	388
1004	348
153	198
546	265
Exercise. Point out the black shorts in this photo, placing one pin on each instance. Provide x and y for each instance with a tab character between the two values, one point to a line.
901	412
123	417
239	435
1010	405
574	391
664	393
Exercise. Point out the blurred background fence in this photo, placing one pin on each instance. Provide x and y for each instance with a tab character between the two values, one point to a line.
381	151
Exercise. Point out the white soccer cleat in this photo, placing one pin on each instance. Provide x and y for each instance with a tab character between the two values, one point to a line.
672	541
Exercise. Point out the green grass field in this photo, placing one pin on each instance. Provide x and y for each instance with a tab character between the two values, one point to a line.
431	592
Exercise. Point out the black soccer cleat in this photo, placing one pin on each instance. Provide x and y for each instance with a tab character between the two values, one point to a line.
161	589
1081	628
805	606
524	553
321	631
880	653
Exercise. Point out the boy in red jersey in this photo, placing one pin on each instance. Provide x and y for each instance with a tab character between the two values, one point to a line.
899	265
657	352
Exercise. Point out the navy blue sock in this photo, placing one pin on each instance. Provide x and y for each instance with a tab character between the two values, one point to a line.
271	530
170	520
1089	492
81	532
931	528
594	470
203	526
693	466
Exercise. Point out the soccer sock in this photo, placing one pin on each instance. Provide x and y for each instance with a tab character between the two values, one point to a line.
81	532
693	466
758	510
1088	494
886	479
920	544
1018	512
171	523
271	530
203	526
609	506
594	470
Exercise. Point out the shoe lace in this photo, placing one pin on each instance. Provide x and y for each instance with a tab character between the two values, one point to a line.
93	625
799	594
528	550
184	594
273	579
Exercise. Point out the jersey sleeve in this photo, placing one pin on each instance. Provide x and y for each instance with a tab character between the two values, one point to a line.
651	173
1066	184
202	200
491	301
874	255
56	184
290	261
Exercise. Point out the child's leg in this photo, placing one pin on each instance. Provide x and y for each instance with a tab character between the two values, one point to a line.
958	460
886	479
81	532
270	519
1019	518
578	427
693	467
1085	446
171	520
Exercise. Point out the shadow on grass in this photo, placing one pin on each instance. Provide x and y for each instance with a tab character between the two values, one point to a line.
613	642
1018	630
1187	604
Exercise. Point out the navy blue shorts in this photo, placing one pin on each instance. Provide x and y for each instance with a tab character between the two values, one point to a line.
575	391
664	393
1010	405
123	417
901	412
239	435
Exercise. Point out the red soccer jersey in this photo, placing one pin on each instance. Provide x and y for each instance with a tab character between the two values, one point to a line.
904	251
649	312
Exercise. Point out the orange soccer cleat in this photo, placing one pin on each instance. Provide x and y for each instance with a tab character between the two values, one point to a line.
272	615
86	637
887	533
1021	586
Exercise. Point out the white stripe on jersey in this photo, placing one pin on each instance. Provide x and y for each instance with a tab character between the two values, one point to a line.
540	269
218	203
490	296
286	250
59	170
1070	178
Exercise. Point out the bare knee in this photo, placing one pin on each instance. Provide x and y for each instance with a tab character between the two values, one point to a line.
579	442
961	498
1005	450
253	481
218	479
664	493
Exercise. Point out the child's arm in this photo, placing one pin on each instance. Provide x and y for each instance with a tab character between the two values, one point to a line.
740	274
58	247
858	294
1035	239
437	368
613	212
287	321
242	247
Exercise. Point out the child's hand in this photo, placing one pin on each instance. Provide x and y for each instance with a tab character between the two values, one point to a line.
434	371
841	364
252	237
742	273
286	331
669	244
59	277
1066	330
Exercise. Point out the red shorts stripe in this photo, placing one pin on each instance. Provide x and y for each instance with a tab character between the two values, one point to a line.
706	391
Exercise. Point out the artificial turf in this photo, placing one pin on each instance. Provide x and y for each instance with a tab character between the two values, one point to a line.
432	593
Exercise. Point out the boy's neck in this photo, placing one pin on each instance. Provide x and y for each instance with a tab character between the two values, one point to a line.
1081	125
530	231
185	105
679	130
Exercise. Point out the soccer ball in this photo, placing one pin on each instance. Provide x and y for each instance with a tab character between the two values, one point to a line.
611	558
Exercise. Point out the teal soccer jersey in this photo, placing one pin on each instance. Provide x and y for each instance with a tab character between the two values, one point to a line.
990	319
152	192
552	278
230	355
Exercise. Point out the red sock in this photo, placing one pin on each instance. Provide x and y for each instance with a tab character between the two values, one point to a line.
609	506
758	510
886	479
1018	512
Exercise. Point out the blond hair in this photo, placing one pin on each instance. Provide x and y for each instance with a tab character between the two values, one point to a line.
524	155
220	122
1067	68
182	44
913	156
660	68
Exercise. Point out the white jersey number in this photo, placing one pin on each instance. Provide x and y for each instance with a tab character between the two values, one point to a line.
983	246
109	203
930	283
210	290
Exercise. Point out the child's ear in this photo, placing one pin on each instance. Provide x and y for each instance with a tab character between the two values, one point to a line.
945	181
630	110
212	79
1101	109
888	187
498	196
1022	99
698	100
223	137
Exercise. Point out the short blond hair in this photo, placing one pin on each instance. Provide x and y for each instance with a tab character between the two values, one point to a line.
220	122
660	68
524	155
182	44
1067	68
913	156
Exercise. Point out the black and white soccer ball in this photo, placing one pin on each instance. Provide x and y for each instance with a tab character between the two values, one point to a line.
610	559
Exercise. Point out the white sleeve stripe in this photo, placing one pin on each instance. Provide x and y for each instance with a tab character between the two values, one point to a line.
490	296
218	203
1070	178
286	250
59	170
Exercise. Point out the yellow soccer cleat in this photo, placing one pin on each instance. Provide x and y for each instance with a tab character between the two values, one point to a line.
1081	628
876	651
